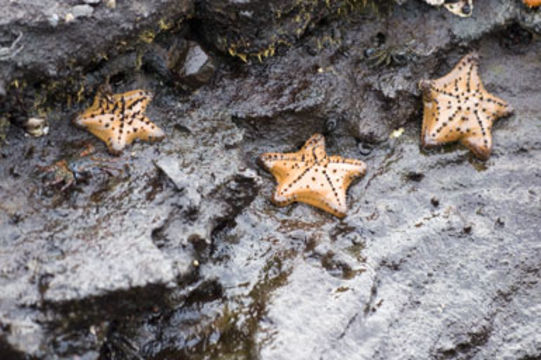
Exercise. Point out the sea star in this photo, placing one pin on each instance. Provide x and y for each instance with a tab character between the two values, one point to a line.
463	8
119	119
458	108
532	3
312	177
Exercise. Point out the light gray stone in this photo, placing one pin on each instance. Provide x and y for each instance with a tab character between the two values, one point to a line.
82	11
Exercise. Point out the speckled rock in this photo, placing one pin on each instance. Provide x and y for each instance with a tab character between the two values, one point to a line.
54	47
82	11
190	65
254	29
174	250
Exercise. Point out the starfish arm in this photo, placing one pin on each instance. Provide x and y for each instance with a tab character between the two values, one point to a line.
284	165
271	159
463	76
350	166
136	100
480	145
431	111
97	124
316	141
94	110
427	135
324	203
142	128
344	171
316	146
496	106
316	191
117	141
440	122
478	137
314	186
315	197
136	94
294	183
473	80
532	3
100	102
460	75
281	164
431	92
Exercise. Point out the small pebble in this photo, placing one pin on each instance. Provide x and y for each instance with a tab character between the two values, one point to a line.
434	201
365	149
69	17
330	124
415	176
36	126
82	10
53	20
91	2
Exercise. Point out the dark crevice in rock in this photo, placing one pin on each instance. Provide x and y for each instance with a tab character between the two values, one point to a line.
468	348
371	305
8	352
83	313
236	194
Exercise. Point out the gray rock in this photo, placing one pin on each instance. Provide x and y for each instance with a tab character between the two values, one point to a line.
190	64
92	2
179	252
53	20
195	60
82	11
44	50
251	28
397	278
198	66
531	20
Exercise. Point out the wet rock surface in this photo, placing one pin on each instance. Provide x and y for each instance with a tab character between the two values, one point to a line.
190	64
174	250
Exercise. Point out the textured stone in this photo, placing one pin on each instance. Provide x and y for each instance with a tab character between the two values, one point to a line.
190	64
82	11
182	255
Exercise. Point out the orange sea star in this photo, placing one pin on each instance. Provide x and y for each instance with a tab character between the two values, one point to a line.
532	3
312	177
458	108
119	119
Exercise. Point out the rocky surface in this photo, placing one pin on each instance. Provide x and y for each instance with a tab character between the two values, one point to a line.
173	250
47	47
